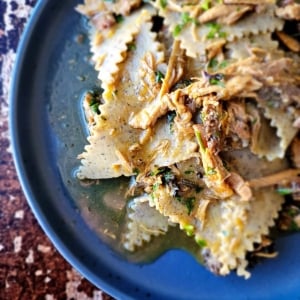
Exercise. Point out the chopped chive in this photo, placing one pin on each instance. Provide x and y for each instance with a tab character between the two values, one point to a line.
189	229
177	30
201	243
170	119
206	4
136	171
159	76
215	31
95	107
200	141
185	19
211	171
284	191
187	172
163	3
119	18
131	46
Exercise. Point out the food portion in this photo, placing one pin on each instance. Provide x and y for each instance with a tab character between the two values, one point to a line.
200	106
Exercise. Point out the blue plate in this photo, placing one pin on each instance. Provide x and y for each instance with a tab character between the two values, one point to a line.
48	133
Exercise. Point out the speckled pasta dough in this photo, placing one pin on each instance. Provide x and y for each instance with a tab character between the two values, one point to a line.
196	93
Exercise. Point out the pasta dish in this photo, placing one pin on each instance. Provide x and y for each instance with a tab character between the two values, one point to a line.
200	107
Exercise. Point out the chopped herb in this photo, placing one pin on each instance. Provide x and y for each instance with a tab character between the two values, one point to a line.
284	191
131	46
168	176
211	171
215	31
206	4
163	3
187	172
93	98
201	243
170	119
177	30
294	226
136	171
156	172
119	18
159	76
188	202
155	186
292	212
189	229
200	141
213	64
185	19
223	64
95	107
217	79
222	34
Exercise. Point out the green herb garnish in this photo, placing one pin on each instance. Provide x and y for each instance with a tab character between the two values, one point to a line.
284	191
185	19
119	18
178	28
189	229
168	176
188	202
215	31
159	76
187	172
214	64
170	119
136	171
163	3
201	243
200	141
211	171
205	5
131	46
95	107
217	79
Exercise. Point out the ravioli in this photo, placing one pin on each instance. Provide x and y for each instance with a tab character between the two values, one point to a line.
195	93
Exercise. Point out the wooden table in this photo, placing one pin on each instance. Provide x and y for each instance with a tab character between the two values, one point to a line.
30	266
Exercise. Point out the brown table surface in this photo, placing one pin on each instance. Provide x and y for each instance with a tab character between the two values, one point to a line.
30	266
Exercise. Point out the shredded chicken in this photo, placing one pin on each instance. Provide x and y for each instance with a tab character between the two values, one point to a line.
274	179
249	2
290	42
225	14
240	186
289	12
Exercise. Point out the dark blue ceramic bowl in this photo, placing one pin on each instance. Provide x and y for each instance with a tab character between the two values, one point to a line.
47	135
